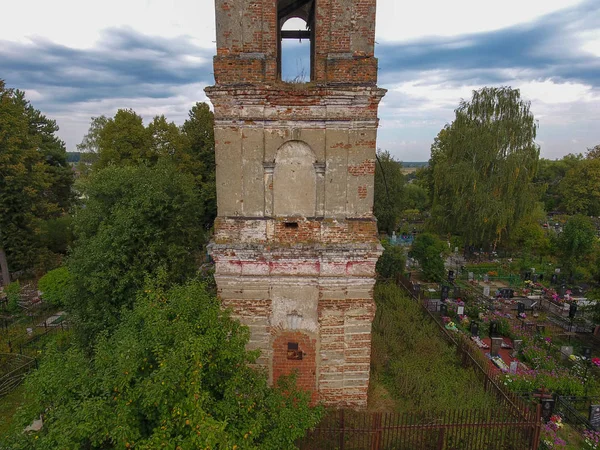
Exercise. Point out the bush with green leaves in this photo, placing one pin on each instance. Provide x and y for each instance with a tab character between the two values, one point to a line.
56	286
427	249
13	295
173	374
391	262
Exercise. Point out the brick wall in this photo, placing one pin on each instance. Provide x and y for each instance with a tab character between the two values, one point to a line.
305	368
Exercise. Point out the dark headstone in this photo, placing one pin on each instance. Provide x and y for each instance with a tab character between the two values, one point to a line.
547	408
456	292
527	276
595	416
474	329
450	276
443	309
445	292
541	277
520	308
507	293
554	279
535	278
587	353
493	329
573	310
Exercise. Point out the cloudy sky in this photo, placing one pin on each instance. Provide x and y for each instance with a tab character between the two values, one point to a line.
79	58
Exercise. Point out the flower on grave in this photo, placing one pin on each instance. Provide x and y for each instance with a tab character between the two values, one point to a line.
596	361
523	315
548	340
574	358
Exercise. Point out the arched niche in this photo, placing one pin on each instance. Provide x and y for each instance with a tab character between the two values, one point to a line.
295	181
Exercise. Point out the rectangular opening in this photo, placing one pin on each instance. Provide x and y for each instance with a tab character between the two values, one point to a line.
291	225
293	352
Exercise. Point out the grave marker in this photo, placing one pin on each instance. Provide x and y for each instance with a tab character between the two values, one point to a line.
547	408
493	328
460	310
443	309
445	291
474	329
520	308
595	417
486	291
516	347
450	276
513	366
566	351
496	346
470	276
572	310
587	353
554	279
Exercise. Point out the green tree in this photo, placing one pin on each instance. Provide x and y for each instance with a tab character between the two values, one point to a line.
428	249
199	129
580	188
576	240
391	262
135	221
389	187
550	175
35	179
483	166
173	374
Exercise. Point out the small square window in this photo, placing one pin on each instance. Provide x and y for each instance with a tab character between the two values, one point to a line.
293	352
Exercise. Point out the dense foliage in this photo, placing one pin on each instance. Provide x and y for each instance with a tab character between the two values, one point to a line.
389	192
483	166
428	249
173	374
391	262
35	180
56	286
135	221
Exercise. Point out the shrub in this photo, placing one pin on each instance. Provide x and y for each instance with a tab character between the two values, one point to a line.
56	286
13	294
391	262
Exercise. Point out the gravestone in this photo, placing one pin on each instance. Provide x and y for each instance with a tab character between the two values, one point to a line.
535	278
547	408
595	417
513	366
486	291
450	276
493	329
474	329
566	351
527	276
460	310
507	293
587	353
445	291
573	310
541	277
516	347
443	309
520	308
456	292
554	279
470	276
486	278
496	346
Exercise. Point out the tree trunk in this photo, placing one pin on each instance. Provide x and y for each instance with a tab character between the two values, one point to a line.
4	268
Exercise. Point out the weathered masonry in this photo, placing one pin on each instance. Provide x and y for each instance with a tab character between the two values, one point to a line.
295	242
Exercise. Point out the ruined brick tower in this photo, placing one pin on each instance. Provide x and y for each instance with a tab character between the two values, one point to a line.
295	241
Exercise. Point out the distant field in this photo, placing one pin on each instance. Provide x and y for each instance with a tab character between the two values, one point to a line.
412	166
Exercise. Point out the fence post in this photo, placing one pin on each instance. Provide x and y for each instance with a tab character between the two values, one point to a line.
537	427
440	444
342	430
376	427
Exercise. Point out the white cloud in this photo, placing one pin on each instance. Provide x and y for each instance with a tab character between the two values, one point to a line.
397	21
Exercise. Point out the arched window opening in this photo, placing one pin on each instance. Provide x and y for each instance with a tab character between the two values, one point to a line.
296	40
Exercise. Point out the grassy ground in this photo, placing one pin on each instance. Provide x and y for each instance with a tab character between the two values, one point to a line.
8	407
413	368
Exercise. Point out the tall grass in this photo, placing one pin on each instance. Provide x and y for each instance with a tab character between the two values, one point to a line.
418	367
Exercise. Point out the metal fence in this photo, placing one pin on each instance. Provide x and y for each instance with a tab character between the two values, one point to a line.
494	429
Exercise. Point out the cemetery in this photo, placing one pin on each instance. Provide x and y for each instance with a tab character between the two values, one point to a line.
536	330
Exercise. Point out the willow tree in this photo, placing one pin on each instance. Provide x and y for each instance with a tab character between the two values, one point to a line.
483	167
